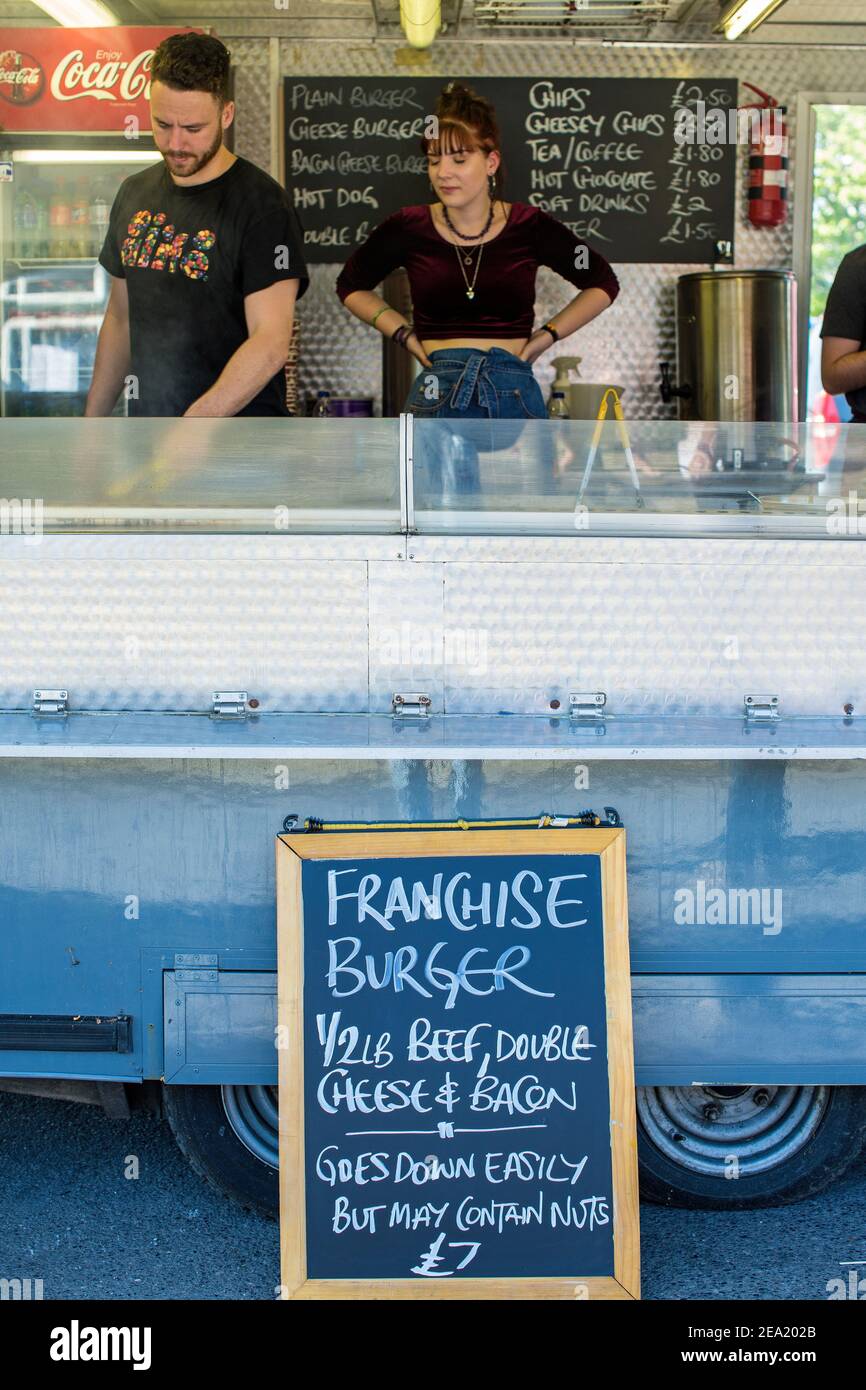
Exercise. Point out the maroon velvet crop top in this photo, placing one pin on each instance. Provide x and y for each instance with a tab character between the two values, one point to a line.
504	300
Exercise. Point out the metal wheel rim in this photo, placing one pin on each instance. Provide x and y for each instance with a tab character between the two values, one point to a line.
758	1136
252	1113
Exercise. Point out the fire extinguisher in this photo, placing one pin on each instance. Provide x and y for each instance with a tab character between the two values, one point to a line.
768	163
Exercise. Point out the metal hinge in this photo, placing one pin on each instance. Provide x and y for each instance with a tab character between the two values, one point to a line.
192	966
229	704
50	702
587	704
416	705
761	706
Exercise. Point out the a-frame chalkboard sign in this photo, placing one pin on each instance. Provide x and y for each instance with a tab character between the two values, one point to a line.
456	1074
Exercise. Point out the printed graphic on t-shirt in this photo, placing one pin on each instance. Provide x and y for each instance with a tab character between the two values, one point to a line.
153	244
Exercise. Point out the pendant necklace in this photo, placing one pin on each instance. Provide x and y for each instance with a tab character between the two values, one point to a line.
470	289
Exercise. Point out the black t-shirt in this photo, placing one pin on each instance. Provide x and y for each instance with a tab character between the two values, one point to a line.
189	257
845	314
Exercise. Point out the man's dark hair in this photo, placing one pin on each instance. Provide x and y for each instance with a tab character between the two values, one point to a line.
193	63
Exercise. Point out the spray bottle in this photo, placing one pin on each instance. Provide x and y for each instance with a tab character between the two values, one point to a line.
583	398
563	366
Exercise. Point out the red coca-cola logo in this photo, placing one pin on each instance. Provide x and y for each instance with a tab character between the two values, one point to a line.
107	76
22	80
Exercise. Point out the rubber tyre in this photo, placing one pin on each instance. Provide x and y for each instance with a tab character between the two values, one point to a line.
836	1144
205	1137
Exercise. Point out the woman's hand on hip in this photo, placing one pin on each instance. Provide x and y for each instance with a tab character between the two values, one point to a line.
537	344
415	346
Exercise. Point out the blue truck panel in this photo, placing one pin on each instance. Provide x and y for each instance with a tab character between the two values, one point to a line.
128	884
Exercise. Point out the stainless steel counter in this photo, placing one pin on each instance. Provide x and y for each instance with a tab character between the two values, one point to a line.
518	738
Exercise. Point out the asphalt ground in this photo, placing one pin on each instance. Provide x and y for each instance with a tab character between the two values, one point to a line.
71	1217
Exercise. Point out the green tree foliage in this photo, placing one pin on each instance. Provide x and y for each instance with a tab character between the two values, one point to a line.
839	197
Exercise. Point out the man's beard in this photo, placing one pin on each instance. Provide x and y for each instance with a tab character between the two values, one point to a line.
192	166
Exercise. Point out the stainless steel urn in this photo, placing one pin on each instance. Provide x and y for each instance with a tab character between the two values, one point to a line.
737	345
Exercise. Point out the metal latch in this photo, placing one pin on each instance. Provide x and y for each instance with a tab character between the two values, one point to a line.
416	705
587	704
229	704
50	702
761	706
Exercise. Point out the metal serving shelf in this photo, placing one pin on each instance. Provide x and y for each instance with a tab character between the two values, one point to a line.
358	736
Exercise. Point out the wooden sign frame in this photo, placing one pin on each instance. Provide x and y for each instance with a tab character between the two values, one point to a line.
609	845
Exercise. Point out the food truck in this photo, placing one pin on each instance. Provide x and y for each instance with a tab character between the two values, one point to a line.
215	631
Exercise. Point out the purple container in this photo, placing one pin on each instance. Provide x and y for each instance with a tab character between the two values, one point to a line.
345	407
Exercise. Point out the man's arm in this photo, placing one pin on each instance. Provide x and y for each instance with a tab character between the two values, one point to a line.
843	365
269	314
113	354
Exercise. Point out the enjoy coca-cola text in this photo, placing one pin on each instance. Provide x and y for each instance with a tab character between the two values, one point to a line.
107	81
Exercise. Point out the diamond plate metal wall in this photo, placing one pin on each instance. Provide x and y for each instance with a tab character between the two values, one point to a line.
407	634
343	356
663	626
251	63
675	633
164	625
483	625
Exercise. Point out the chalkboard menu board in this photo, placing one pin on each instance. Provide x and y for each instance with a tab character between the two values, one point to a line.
456	1076
597	153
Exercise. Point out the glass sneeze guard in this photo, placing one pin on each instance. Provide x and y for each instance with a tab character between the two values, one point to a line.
240	475
640	478
427	476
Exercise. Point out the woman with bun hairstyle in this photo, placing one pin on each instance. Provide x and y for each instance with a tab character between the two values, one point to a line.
471	260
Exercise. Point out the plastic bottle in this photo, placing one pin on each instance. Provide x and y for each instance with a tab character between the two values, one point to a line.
79	218
59	217
556	406
98	218
23	223
41	239
321	409
18	224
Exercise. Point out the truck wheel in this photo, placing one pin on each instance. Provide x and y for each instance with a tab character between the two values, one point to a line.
734	1147
230	1137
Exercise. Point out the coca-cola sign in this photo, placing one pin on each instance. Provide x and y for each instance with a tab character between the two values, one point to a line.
76	79
105	79
22	80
